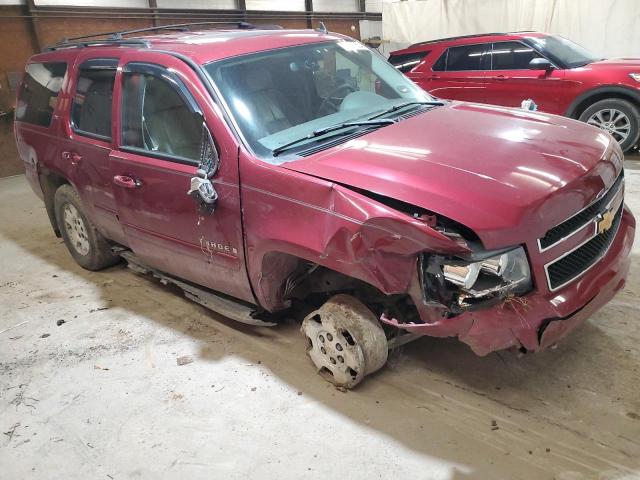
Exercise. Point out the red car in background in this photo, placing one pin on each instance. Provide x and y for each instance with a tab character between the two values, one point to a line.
506	68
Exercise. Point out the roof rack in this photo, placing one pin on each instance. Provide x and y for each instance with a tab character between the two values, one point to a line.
117	38
466	36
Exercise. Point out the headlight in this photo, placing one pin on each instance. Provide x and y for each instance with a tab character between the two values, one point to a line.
635	76
504	272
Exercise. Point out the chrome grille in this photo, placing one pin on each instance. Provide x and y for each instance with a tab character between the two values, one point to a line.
576	262
567	228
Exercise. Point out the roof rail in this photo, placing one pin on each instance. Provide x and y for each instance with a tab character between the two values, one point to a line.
457	38
92	43
117	38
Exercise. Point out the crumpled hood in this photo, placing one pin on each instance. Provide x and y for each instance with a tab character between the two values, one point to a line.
508	174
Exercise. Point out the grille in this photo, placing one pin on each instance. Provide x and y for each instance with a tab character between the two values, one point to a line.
580	219
583	258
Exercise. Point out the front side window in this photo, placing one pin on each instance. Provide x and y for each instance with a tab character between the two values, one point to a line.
282	95
156	119
512	56
467	58
39	92
91	110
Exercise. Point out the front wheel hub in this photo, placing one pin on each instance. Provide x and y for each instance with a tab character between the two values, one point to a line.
345	341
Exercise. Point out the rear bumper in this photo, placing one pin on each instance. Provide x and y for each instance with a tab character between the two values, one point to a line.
538	320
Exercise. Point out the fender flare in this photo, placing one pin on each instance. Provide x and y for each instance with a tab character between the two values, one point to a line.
604	89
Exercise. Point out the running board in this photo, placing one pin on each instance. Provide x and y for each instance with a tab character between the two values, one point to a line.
224	306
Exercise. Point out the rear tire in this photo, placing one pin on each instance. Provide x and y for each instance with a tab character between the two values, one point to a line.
345	341
617	117
88	247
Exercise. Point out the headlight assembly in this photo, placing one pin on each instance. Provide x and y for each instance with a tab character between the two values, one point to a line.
635	76
505	272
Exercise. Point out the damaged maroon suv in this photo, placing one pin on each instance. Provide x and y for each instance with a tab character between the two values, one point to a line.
266	171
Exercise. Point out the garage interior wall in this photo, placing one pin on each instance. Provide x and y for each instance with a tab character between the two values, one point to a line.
583	21
27	26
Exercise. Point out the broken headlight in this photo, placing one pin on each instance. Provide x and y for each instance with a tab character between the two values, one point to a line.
506	272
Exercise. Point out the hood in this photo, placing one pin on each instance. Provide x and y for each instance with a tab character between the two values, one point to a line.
508	174
631	64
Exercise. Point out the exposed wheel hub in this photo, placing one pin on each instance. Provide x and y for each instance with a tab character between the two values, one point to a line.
76	230
345	341
336	355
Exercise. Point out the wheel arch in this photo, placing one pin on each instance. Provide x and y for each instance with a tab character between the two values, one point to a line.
588	98
50	181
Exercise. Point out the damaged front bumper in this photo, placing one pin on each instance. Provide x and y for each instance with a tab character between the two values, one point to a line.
539	319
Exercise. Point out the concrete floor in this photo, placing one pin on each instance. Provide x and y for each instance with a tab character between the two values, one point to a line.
101	396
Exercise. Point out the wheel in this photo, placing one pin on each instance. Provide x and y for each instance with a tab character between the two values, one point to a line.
618	117
85	243
345	341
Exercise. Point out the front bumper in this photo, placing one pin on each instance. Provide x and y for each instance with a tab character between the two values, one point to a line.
538	320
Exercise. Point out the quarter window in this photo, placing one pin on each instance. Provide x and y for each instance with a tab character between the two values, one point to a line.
467	57
441	63
39	92
155	118
91	110
512	56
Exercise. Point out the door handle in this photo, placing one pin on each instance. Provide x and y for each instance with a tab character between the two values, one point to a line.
434	77
500	78
125	181
73	157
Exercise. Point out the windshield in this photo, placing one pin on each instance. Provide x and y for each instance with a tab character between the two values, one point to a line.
279	96
565	51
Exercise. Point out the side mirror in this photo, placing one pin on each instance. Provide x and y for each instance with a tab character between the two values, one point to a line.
540	64
201	187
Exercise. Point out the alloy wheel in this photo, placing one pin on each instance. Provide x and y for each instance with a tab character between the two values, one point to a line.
613	121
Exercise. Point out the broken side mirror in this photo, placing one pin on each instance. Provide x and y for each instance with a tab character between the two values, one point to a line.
201	186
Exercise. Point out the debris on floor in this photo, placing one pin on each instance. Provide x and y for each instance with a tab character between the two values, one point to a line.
184	360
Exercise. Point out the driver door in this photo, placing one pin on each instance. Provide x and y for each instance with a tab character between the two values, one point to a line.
161	132
511	81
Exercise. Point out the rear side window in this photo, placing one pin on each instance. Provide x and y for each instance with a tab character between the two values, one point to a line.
91	110
39	92
156	118
407	61
467	57
512	56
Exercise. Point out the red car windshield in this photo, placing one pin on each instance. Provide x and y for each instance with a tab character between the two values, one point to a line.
560	49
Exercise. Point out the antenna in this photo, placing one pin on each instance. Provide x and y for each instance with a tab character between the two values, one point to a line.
321	28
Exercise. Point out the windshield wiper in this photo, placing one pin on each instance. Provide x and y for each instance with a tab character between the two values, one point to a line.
323	131
400	106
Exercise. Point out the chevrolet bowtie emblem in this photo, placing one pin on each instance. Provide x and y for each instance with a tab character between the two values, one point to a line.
605	221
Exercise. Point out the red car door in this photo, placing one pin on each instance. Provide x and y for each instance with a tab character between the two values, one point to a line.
511	81
459	74
160	136
88	139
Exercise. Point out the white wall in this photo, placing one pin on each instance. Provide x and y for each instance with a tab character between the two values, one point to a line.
610	28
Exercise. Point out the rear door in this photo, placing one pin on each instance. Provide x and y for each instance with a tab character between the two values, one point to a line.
88	142
459	74
162	105
511	81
